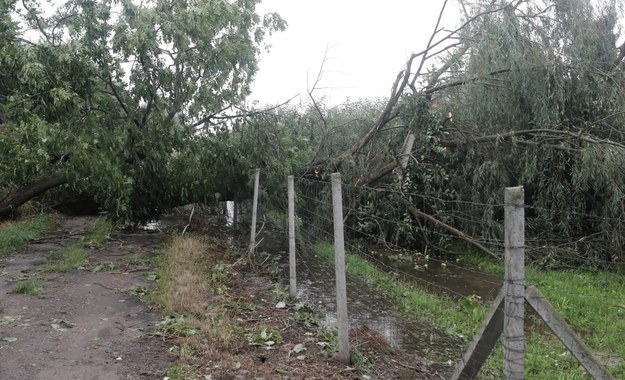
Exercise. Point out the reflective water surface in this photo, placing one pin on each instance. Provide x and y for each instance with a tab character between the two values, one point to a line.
316	284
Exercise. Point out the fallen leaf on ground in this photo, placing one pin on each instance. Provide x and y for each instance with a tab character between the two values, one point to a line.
7	319
61	325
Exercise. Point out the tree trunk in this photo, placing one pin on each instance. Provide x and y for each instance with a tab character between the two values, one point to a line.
27	192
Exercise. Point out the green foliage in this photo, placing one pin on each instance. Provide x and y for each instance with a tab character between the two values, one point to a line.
590	301
14	235
115	95
30	288
292	140
68	258
563	81
264	336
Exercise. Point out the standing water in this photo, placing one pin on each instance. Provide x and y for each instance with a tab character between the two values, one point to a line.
367	307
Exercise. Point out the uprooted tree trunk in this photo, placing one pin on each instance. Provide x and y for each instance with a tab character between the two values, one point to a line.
27	192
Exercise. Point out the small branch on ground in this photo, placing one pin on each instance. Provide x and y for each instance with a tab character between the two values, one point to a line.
188	224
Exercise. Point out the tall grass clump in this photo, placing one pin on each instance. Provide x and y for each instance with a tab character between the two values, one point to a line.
190	276
100	231
68	258
15	235
181	271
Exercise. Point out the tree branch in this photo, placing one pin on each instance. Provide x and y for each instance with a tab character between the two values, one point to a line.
418	214
533	132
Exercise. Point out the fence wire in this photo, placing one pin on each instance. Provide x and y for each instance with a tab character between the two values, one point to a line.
431	256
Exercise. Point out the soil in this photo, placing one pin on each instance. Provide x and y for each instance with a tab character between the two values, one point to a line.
90	324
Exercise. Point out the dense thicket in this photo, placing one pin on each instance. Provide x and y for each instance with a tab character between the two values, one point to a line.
123	101
522	93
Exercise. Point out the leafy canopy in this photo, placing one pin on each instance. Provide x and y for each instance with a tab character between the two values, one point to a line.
117	95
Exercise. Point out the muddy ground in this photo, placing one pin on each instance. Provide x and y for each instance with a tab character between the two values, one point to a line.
92	324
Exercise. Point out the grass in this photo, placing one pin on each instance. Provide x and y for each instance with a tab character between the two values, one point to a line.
73	256
593	303
458	319
15	235
68	258
99	232
189	278
183	277
30	288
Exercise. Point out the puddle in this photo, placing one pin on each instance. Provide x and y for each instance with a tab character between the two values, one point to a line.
366	307
442	277
316	284
151	226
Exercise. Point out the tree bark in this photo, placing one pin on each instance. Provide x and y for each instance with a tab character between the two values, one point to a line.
420	214
27	192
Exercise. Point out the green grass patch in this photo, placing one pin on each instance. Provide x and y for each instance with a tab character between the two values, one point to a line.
460	319
99	232
74	256
68	258
592	302
15	235
30	288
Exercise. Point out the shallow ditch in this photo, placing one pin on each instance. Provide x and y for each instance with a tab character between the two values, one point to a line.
366	307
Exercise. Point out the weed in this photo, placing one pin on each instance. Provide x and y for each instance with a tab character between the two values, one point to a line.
184	350
358	360
237	306
104	267
264	336
327	339
31	288
68	258
180	371
8	319
99	232
281	291
274	268
15	235
150	276
305	314
137	290
176	324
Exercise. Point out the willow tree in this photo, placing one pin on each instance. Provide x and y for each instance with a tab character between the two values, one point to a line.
118	99
539	103
521	92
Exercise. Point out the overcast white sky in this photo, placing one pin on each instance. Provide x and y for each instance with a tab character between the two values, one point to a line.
368	43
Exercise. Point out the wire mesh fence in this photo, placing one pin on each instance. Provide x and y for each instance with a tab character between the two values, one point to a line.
431	248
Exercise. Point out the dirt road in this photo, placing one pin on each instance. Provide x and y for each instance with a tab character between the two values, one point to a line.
90	323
